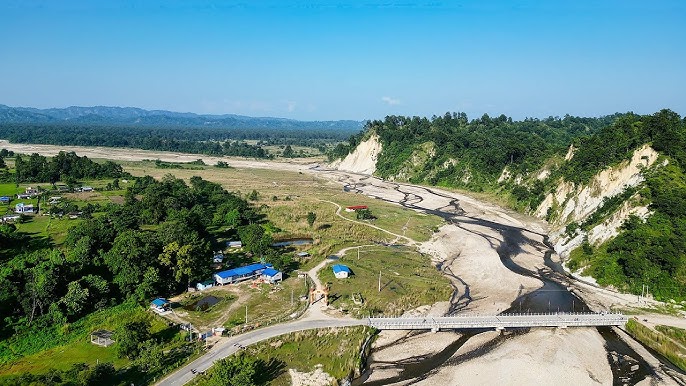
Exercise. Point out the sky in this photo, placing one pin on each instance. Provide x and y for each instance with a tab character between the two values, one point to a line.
329	60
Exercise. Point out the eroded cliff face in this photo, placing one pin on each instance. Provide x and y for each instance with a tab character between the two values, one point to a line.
363	159
571	203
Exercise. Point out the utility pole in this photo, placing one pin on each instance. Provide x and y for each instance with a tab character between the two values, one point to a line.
246	314
379	281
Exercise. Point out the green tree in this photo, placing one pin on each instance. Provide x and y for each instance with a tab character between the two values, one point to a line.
288	152
75	300
129	337
236	370
311	218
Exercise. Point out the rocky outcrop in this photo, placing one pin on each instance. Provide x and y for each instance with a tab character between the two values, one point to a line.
571	203
363	159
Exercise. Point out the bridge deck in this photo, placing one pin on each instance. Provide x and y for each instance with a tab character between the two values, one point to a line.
500	321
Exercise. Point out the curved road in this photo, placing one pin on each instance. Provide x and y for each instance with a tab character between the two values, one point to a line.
231	345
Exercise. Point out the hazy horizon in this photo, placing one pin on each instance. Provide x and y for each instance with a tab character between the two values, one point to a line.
332	60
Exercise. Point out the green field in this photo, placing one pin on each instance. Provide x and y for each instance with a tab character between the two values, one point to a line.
407	281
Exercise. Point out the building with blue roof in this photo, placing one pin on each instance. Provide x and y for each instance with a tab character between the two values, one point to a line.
341	271
160	305
5	199
239	274
272	275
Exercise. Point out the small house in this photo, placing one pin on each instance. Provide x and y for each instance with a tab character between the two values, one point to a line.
23	208
203	285
31	191
239	274
218	257
272	276
4	200
87	189
234	244
341	271
10	218
23	196
303	254
54	200
160	305
355	208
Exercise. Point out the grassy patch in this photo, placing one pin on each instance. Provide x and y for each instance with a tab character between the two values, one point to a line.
335	350
267	304
407	281
25	349
659	342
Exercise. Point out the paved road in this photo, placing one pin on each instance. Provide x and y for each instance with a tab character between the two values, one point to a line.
228	346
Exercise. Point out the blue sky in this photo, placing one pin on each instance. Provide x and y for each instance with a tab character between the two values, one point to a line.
347	60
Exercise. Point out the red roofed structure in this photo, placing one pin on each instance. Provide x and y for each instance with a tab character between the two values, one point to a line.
355	208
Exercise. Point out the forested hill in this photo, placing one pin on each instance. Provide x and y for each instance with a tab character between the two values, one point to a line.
130	116
613	188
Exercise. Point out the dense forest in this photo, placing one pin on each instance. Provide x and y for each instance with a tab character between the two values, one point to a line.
451	150
483	146
67	167
157	242
195	140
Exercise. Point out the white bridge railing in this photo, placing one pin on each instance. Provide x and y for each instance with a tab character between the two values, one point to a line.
499	321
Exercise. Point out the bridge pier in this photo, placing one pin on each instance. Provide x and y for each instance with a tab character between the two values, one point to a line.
435	329
501	330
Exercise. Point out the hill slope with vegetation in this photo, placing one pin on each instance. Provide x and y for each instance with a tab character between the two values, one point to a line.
544	167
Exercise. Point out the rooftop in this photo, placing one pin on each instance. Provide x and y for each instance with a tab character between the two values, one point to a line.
242	271
340	268
270	272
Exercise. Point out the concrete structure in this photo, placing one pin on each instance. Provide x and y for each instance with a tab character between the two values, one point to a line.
102	338
203	285
272	276
341	271
239	274
499	322
23	208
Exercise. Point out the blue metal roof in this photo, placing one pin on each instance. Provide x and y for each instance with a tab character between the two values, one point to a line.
242	271
340	268
270	272
160	302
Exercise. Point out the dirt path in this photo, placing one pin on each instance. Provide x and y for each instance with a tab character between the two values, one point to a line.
397	236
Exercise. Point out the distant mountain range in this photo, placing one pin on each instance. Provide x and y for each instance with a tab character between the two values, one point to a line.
132	116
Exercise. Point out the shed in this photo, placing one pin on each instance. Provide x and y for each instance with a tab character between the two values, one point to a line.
341	271
5	199
23	208
87	189
203	285
218	257
160	305
272	275
234	244
102	338
355	208
239	274
303	254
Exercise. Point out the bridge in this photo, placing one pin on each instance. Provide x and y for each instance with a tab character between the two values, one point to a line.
499	322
